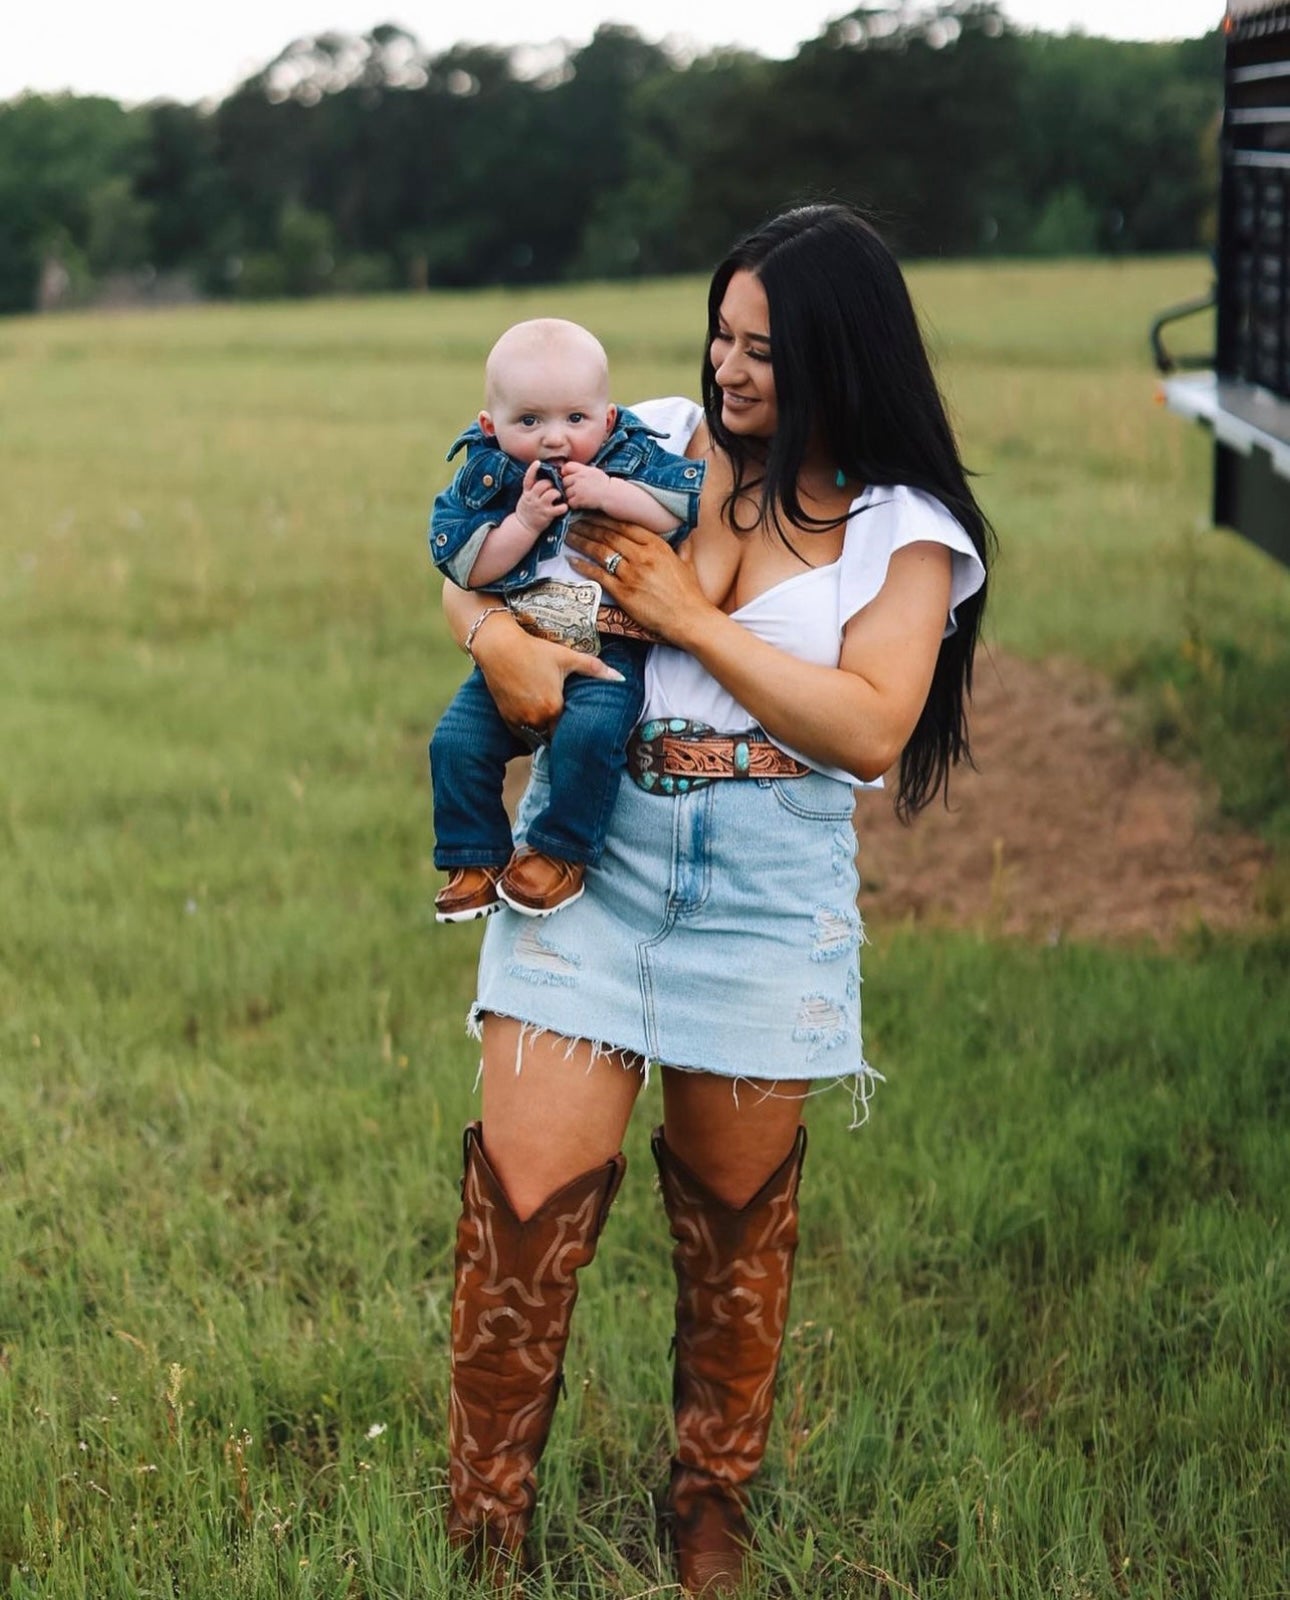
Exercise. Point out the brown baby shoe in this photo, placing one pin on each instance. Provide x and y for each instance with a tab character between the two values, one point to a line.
469	893
535	885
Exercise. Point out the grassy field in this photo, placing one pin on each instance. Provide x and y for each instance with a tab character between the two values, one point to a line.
1041	1332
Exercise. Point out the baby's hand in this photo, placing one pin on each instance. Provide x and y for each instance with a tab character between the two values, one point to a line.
585	486
539	503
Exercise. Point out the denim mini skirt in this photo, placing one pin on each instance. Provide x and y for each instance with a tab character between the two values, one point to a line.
718	932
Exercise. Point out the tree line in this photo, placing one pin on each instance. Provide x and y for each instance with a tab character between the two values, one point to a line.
353	164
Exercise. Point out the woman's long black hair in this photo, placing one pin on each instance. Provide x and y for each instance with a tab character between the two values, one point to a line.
851	371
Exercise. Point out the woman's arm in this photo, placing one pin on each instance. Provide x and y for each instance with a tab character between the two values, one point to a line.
858	715
525	676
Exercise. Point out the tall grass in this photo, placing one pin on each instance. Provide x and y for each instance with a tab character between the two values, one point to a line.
1039	1338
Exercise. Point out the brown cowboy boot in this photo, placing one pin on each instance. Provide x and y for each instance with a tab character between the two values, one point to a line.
516	1283
734	1269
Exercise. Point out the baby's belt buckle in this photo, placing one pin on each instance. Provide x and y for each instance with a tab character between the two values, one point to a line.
564	613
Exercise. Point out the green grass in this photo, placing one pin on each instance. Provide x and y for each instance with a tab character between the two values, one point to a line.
1040	1333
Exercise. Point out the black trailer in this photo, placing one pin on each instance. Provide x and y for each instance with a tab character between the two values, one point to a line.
1245	398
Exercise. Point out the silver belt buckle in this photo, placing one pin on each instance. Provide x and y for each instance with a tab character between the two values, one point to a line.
564	613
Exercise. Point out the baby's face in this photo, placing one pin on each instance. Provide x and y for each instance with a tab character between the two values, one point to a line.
550	409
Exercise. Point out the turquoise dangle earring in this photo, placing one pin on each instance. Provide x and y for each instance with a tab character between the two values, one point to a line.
841	479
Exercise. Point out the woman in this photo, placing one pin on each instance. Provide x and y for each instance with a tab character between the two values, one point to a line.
822	620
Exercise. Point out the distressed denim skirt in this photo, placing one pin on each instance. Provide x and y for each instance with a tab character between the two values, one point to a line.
719	932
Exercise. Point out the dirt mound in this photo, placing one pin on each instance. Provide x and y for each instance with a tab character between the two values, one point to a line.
1067	830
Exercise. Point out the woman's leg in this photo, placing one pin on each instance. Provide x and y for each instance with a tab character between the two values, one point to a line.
729	1169
732	1134
552	1108
540	1174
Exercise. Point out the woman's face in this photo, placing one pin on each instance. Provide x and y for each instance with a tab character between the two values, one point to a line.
740	355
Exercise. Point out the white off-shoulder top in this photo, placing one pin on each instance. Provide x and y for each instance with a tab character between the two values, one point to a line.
805	615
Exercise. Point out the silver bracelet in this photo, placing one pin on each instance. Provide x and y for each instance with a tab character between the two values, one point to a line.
476	625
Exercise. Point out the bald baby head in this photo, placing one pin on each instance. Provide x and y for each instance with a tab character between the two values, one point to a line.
546	392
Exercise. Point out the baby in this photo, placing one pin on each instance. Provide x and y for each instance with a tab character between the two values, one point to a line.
548	445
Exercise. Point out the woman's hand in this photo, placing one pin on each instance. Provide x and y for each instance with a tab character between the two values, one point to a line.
525	675
640	572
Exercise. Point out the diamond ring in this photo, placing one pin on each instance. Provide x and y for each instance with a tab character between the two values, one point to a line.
613	562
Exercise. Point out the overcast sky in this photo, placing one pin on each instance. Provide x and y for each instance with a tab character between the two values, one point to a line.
138	50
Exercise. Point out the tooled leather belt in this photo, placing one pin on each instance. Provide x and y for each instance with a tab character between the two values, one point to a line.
613	619
673	755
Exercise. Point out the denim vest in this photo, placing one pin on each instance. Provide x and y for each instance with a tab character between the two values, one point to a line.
488	484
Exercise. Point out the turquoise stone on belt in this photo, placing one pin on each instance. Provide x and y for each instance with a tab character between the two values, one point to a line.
676	756
646	758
